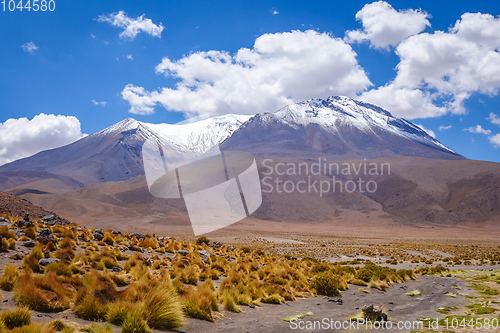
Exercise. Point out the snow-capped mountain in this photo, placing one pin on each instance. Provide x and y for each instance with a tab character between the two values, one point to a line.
114	153
338	125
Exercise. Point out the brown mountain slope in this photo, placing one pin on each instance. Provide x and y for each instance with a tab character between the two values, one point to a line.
417	192
15	206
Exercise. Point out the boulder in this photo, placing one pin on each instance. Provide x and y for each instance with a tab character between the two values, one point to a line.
98	234
137	235
204	255
182	252
4	221
45	236
46	261
25	223
51	219
372	312
30	243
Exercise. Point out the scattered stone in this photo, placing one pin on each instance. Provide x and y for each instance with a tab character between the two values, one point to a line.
25	223
4	221
116	269
114	232
98	234
45	236
448	275
251	306
51	219
17	256
46	261
204	255
30	243
337	300
182	252
137	235
374	313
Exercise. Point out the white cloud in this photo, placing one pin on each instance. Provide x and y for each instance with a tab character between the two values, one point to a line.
478	129
444	128
494	119
30	47
130	57
426	130
23	137
437	72
92	35
131	27
103	103
280	69
495	140
383	26
274	12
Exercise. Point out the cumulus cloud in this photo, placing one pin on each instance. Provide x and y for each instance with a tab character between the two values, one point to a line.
426	130
437	72
444	128
130	57
383	26
495	140
103	103
30	47
478	129
494	119
132	27
23	137
280	69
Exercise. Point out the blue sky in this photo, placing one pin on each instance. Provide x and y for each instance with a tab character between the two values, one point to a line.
78	60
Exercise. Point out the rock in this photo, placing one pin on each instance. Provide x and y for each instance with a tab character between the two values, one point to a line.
4	221
45	236
137	235
46	261
17	256
30	243
281	260
182	252
25	224
114	232
116	269
51	219
204	255
149	262
251	306
448	275
374	313
98	234
336	300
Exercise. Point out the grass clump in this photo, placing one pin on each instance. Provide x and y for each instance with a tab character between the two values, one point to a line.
413	293
364	290
45	293
162	309
16	318
117	312
229	302
480	309
135	324
273	299
59	268
297	317
484	290
97	328
202	240
9	278
60	326
91	309
326	284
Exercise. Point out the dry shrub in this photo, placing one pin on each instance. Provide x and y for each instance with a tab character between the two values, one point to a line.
16	318
162	309
9	278
90	308
44	293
